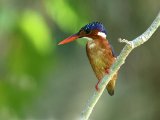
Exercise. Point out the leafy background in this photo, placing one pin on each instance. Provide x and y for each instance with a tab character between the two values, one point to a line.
42	81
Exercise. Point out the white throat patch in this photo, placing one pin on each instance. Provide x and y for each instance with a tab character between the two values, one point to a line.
92	45
88	38
102	34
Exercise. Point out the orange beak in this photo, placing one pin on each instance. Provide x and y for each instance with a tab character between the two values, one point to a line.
69	39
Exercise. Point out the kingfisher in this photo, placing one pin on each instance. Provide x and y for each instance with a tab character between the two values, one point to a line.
99	51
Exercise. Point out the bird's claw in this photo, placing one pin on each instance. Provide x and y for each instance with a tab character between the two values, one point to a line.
107	71
97	87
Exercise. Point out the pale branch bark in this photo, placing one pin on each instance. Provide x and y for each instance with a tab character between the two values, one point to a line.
130	45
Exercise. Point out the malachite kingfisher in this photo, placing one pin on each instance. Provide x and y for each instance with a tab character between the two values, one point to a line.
100	53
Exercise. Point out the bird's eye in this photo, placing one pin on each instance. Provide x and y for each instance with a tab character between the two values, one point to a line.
87	31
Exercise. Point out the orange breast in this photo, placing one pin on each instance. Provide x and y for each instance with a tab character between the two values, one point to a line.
100	56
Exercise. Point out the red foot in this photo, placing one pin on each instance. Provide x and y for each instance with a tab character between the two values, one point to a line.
107	71
97	88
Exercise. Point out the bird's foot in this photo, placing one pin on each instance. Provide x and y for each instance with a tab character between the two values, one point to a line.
97	88
107	71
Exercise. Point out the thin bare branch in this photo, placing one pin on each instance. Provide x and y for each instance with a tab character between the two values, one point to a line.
130	45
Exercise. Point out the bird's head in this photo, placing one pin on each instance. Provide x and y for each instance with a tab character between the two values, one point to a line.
90	31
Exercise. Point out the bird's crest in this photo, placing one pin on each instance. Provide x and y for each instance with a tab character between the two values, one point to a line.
94	26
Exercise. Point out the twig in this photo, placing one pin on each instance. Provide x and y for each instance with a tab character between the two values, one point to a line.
130	45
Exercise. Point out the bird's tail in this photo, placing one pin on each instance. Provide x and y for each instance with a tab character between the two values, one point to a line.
111	85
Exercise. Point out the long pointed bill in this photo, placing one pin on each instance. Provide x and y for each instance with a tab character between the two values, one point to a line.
69	39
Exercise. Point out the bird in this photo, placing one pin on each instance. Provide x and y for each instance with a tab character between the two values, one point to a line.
99	51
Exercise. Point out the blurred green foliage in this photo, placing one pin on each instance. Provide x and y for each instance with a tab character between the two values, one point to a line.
39	35
40	80
64	18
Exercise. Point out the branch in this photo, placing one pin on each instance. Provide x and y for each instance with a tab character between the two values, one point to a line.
130	45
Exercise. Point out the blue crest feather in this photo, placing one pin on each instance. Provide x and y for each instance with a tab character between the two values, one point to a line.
94	26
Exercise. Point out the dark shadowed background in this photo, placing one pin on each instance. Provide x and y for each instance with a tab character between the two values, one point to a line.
42	81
